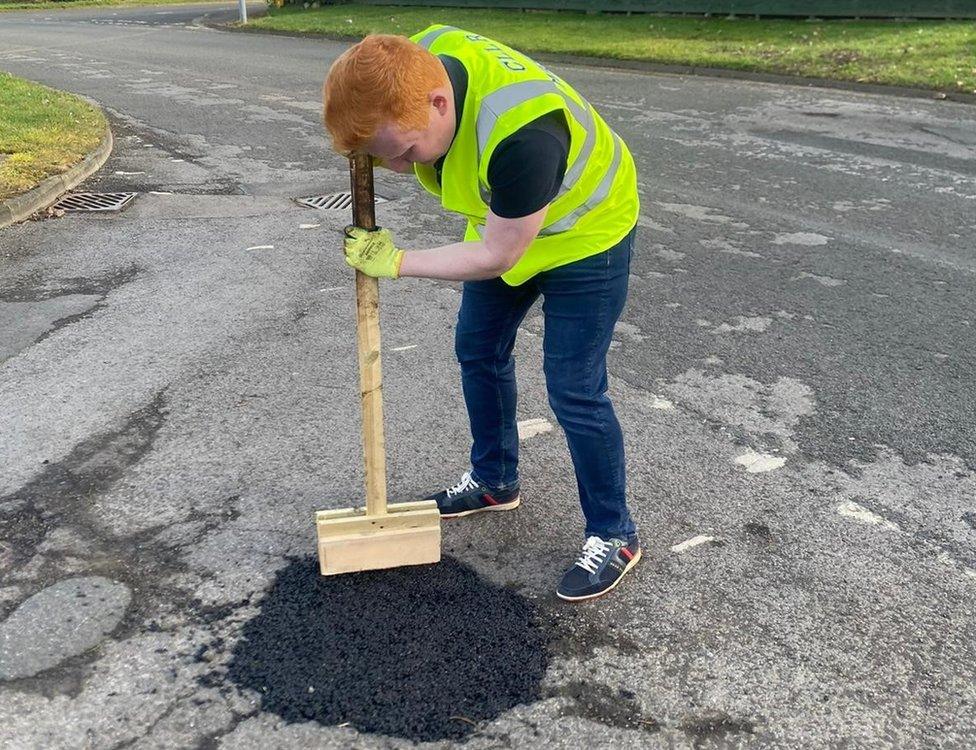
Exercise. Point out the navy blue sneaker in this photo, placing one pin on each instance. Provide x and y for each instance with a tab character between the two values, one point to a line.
471	496
601	565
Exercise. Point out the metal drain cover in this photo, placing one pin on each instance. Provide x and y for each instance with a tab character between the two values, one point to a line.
332	201
95	201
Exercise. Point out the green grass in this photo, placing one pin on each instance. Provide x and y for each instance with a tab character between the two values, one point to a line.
43	132
63	4
929	54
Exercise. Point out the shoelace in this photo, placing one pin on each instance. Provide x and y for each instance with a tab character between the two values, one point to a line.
594	552
466	483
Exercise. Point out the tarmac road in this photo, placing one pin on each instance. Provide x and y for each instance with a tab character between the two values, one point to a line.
178	396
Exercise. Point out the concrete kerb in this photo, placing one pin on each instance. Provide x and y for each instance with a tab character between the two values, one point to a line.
650	67
26	204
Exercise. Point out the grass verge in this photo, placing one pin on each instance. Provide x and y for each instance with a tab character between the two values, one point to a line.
43	132
938	55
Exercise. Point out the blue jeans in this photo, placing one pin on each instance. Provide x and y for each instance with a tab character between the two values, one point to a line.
581	303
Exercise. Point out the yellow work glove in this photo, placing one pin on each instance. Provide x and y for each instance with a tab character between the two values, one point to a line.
373	253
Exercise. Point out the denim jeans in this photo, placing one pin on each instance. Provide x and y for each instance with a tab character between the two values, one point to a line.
581	303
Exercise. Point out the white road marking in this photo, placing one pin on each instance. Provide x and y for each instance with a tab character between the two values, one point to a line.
758	323
693	542
859	513
825	280
629	330
651	224
757	463
308	226
661	403
261	247
531	427
800	238
701	213
947	559
403	348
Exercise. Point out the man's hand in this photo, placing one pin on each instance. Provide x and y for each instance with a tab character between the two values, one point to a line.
373	253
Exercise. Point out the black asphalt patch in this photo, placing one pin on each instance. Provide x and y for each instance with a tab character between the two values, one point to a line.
34	289
423	653
61	497
62	492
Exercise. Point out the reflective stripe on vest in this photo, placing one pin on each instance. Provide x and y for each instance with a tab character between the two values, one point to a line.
497	103
429	39
599	193
602	191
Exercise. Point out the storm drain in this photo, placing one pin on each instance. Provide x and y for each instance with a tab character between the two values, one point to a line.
95	201
332	201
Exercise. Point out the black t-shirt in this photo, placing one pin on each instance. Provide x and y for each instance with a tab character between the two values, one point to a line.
527	167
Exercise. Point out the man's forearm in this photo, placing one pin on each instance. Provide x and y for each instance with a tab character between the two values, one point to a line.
461	261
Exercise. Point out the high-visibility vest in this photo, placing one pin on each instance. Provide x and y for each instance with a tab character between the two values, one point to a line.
597	203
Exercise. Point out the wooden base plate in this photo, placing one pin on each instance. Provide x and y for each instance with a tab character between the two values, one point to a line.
350	540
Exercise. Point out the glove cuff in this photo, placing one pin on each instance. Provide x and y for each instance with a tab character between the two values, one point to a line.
398	259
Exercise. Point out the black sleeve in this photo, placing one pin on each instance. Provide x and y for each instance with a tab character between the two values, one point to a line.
527	168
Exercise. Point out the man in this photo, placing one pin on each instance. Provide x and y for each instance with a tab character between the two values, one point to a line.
550	195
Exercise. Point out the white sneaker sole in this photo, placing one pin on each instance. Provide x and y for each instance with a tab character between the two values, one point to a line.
609	588
510	505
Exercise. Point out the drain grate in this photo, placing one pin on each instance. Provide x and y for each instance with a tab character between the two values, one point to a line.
95	201
332	201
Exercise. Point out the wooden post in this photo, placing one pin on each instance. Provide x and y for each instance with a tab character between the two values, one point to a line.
384	536
368	340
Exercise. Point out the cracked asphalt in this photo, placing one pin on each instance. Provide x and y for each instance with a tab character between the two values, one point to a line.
178	381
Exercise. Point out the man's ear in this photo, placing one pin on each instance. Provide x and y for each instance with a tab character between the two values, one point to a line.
438	100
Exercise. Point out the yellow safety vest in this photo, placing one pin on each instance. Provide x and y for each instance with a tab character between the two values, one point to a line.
597	204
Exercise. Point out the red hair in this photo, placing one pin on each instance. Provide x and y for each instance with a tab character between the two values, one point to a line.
384	78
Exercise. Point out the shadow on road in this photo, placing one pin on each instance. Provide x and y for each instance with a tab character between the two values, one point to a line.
422	653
